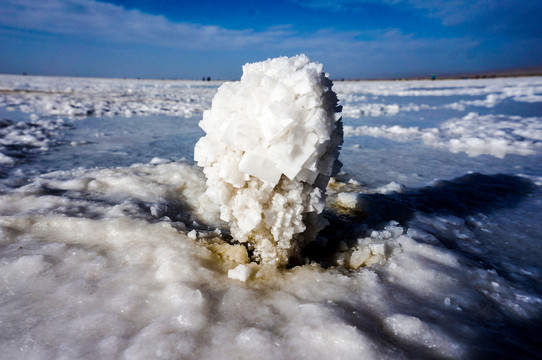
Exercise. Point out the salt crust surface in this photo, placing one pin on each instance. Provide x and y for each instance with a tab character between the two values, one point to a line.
97	264
355	95
474	134
97	269
271	143
27	137
76	97
69	97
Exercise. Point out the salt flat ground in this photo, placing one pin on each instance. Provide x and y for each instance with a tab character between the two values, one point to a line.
110	250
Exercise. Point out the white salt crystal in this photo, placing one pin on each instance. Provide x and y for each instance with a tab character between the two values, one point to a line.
277	131
348	200
378	248
259	167
241	272
359	256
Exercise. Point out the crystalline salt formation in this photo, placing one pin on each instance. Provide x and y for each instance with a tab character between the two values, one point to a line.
271	144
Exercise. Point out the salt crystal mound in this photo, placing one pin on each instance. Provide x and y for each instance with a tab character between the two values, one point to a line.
272	142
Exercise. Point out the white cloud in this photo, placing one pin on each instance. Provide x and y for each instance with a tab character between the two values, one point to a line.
102	21
384	52
106	22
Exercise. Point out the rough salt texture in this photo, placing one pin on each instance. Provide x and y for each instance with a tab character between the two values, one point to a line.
271	144
95	262
80	97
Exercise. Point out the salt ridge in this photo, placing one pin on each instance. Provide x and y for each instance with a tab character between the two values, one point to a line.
474	134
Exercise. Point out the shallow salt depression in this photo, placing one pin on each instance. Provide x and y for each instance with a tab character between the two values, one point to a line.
111	249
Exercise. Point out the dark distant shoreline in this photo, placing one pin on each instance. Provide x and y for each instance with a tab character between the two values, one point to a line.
503	73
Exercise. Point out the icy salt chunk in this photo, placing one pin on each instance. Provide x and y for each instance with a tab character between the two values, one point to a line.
225	213
348	200
308	102
230	173
259	167
241	134
250	218
394	229
296	135
279	119
235	253
241	272
378	249
220	192
359	257
391	187
179	294
292	165
158	161
280	93
273	131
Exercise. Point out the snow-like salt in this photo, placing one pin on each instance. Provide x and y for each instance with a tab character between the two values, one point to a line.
474	134
432	250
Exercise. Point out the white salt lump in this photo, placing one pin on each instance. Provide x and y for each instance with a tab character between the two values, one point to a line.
271	144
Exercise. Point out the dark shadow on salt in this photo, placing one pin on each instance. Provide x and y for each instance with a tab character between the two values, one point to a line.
469	194
182	216
494	333
484	333
486	330
370	325
463	196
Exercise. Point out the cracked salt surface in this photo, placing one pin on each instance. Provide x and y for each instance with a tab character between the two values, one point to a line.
110	248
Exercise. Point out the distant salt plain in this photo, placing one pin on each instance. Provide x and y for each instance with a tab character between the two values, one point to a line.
432	250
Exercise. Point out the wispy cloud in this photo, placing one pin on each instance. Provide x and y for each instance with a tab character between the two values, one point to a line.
107	22
388	51
511	17
504	17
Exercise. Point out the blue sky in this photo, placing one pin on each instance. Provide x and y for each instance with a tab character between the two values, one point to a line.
189	40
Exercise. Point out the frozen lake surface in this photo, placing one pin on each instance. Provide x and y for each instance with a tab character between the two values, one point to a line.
109	249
